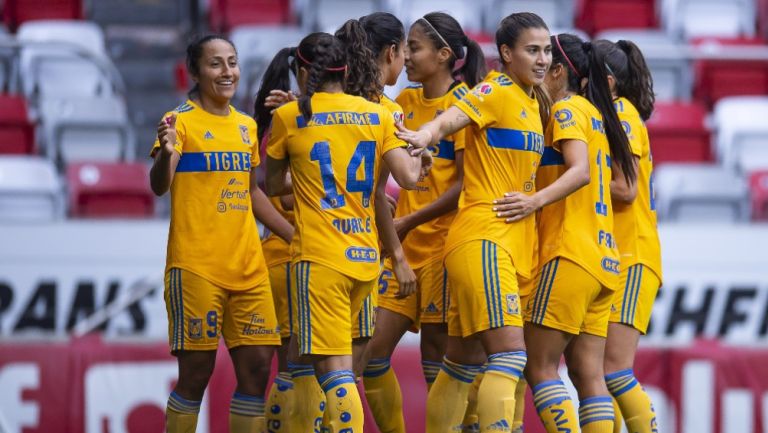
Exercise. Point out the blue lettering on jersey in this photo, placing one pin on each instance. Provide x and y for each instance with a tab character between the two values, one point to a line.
610	265
597	125
606	238
339	118
214	161
445	149
513	139
362	254
551	157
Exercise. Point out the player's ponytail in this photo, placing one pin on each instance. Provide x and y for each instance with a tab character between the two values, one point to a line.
507	34
363	71
633	77
276	77
445	31
324	58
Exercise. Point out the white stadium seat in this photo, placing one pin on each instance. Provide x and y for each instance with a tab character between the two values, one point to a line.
742	132
30	190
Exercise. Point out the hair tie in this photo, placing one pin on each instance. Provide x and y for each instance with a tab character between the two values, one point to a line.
442	39
560	47
329	69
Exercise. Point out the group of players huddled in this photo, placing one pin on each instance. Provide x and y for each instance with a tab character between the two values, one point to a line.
525	230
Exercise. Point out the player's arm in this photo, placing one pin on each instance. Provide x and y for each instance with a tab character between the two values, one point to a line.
166	157
407	169
406	278
448	122
278	180
264	211
622	191
447	202
515	206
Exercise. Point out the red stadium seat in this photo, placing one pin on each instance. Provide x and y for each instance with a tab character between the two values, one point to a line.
594	16
16	133
758	184
16	12
716	78
227	14
109	190
677	133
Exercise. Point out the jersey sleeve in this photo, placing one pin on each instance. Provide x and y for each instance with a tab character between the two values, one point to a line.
632	128
482	104
394	108
277	137
569	123
390	140
180	135
253	136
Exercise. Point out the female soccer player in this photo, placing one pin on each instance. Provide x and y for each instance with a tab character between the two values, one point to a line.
483	255
568	312
333	143
435	43
216	279
636	235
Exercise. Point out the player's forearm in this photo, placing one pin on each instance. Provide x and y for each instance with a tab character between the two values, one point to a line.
572	179
269	216
385	224
161	174
446	203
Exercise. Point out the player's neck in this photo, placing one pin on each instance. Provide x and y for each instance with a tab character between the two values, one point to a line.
437	85
331	88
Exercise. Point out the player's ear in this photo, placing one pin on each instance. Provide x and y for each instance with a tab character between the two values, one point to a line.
506	53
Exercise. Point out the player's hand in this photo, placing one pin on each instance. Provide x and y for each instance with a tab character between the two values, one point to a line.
406	278
515	206
418	139
402	227
166	133
278	98
392	203
426	162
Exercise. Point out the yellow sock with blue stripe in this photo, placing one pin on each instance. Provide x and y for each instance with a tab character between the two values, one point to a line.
517	423
470	423
344	412
181	414
279	403
496	395
618	421
447	399
555	407
246	414
306	413
382	390
430	370
596	414
634	402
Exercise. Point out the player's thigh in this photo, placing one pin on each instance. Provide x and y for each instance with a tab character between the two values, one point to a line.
249	317
194	306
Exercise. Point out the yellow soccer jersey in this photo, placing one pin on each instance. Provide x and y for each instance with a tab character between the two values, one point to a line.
213	233
276	250
335	162
636	233
393	107
579	227
425	243
503	150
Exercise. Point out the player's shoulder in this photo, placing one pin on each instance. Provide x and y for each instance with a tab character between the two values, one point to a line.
458	90
243	117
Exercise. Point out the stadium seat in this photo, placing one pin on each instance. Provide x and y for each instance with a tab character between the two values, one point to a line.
758	185
556	13
716	18
16	133
87	129
329	15
256	46
154	13
742	132
666	58
65	58
16	12
716	78
7	61
224	15
594	16
701	193
30	190
677	133
109	190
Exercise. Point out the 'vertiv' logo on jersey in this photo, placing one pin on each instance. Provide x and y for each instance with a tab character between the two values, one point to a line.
214	161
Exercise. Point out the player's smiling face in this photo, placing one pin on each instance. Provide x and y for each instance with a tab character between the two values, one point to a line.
219	71
528	61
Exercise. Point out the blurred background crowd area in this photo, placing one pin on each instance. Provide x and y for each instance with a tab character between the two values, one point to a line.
84	82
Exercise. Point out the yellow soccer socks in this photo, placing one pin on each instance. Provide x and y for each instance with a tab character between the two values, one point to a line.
306	413
618	421
344	409
596	414
517	423
496	395
555	407
430	369
279	403
470	423
181	414
382	390
634	402
246	414
447	400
